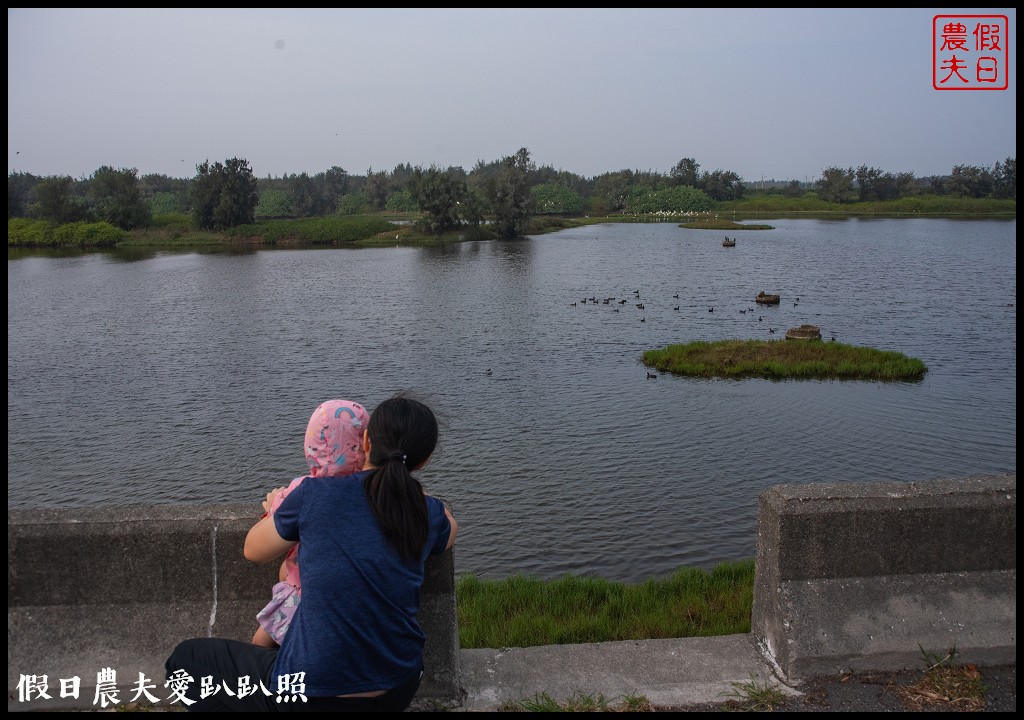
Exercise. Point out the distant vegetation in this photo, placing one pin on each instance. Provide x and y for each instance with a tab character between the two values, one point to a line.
784	359
510	197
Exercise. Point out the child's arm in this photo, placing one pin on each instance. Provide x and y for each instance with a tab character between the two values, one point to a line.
271	497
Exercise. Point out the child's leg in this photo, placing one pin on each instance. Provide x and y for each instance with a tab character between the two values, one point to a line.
263	639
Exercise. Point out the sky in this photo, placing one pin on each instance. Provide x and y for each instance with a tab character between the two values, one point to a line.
768	94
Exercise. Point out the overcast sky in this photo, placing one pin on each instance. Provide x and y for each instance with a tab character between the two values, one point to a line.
765	93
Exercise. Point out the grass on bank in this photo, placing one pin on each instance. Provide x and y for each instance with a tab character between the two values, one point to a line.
721	224
945	684
579	702
784	359
176	231
523	611
921	205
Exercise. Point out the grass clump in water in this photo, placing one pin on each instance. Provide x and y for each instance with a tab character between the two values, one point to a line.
784	359
523	611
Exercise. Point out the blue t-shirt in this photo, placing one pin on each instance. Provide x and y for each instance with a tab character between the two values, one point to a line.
355	629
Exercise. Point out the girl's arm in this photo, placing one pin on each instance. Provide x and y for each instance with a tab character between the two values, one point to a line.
455	528
263	543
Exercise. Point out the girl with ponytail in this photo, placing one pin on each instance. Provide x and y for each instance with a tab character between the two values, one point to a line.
354	641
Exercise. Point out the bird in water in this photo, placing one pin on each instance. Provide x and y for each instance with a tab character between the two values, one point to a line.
651	376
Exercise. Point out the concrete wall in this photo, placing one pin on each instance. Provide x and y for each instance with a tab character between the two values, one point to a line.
867	576
95	588
848	577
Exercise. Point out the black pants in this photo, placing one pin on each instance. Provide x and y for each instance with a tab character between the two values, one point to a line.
225	662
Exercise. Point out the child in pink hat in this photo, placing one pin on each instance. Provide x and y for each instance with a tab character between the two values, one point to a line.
334	447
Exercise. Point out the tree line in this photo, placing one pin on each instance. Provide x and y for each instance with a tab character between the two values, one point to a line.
506	192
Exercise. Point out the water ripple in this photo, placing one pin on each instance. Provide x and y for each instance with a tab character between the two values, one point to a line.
184	378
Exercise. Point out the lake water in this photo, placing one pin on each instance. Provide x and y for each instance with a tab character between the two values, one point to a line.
189	378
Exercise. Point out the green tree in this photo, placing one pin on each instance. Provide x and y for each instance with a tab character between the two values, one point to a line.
401	201
20	189
475	208
792	189
836	185
555	199
273	204
439	195
400	176
873	184
165	194
377	188
509	195
641	200
1005	179
722	185
330	186
611	190
685	172
867	180
302	196
224	195
165	203
353	203
57	201
971	181
547	174
116	198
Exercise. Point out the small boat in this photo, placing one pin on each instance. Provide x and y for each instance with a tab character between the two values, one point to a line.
765	299
729	243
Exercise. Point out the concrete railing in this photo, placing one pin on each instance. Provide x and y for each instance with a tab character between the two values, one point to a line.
848	577
90	589
871	576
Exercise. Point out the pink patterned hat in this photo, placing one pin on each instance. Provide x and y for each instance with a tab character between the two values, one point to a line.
334	438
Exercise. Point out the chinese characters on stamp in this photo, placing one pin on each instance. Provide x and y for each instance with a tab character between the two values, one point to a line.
970	52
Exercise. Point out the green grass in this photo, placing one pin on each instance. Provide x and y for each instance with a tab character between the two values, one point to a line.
754	696
579	702
946	685
523	611
175	231
717	224
926	205
784	359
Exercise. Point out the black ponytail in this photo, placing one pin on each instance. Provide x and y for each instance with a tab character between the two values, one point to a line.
403	435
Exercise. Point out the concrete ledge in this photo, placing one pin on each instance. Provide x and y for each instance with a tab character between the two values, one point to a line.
848	578
92	588
865	576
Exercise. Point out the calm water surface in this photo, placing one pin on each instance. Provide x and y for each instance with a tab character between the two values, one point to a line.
189	378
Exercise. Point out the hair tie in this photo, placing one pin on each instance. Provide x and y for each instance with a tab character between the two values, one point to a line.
397	455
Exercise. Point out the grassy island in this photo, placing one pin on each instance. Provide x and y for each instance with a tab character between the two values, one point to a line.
716	224
784	359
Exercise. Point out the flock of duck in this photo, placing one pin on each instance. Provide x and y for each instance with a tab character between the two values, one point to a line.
593	300
639	304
